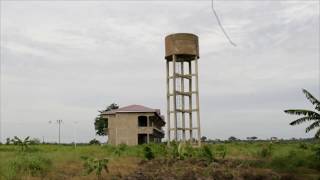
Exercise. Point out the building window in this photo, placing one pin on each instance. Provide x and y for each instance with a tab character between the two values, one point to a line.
142	121
152	119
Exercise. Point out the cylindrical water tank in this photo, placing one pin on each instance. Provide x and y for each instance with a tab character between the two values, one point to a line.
184	45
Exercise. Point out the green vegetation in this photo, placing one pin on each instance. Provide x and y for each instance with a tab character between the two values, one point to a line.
101	123
240	159
266	151
148	154
94	141
24	144
308	115
95	165
206	153
34	165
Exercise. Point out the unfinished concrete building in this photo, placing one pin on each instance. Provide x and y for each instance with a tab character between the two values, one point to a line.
183	111
134	124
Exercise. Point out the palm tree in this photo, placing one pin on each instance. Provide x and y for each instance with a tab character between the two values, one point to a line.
308	115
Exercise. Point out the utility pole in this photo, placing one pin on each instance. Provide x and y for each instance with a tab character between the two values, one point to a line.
75	134
59	121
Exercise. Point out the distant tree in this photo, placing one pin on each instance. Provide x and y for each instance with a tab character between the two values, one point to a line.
203	138
101	123
8	140
34	141
252	138
94	141
308	114
273	138
232	138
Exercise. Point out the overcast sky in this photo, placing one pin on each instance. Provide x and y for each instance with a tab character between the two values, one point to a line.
66	60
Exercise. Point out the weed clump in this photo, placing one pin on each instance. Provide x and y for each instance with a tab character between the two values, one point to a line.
290	161
120	149
173	150
185	150
95	165
221	151
315	163
34	165
317	153
206	153
148	154
303	146
266	151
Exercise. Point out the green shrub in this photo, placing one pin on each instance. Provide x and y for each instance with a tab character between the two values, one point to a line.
35	165
206	153
173	150
159	150
189	150
35	141
266	151
148	154
317	153
120	149
221	150
94	142
123	147
95	165
315	158
303	146
8	141
185	150
291	160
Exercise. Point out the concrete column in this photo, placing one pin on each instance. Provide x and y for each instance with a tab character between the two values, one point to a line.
182	103
190	100
168	103
175	99
197	101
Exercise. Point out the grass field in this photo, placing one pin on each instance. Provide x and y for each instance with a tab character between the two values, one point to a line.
229	160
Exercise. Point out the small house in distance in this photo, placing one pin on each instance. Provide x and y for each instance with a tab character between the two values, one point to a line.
134	124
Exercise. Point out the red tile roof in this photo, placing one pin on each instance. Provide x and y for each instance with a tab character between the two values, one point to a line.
132	108
135	108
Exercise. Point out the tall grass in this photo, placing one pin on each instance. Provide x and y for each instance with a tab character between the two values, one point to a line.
40	160
28	164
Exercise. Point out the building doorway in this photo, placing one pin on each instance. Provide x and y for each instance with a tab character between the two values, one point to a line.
142	138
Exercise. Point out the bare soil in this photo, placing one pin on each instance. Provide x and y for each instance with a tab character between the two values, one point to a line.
192	169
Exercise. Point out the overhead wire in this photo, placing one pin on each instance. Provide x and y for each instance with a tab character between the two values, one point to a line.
220	25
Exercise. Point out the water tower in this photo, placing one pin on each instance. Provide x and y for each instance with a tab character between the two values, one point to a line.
183	111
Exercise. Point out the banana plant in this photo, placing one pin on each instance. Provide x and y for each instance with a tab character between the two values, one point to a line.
312	116
95	165
24	144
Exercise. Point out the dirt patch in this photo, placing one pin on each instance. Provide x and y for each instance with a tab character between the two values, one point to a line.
194	169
